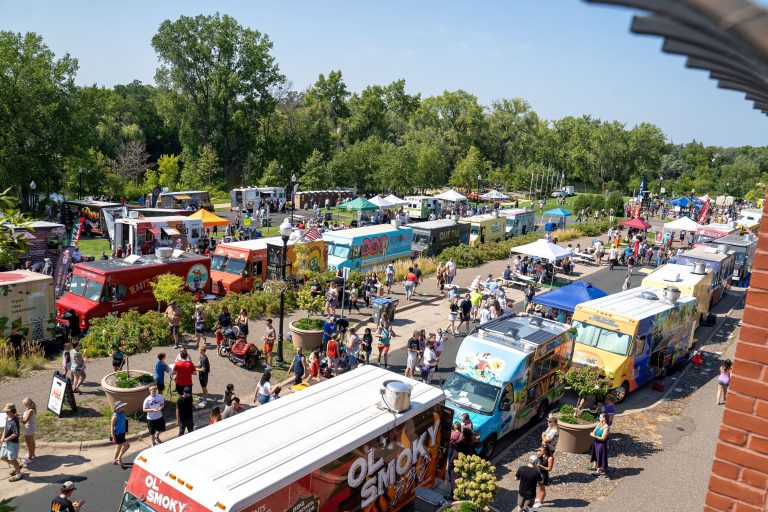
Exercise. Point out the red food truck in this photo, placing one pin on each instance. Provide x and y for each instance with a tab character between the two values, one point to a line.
98	288
373	439
239	267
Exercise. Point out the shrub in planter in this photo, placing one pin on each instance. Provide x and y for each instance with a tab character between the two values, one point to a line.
575	424
477	480
309	324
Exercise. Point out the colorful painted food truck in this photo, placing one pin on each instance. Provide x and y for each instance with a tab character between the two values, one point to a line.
432	236
719	260
519	221
634	336
367	247
506	374
27	305
187	199
716	230
144	235
743	247
692	282
239	267
485	228
98	288
44	240
246	199
355	455
94	214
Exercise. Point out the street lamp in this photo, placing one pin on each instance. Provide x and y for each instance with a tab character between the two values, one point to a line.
285	233
80	183
293	196
477	200
32	187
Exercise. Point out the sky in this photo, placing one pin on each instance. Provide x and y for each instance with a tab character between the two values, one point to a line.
565	57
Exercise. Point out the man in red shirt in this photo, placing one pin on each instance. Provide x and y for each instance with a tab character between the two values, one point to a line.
184	369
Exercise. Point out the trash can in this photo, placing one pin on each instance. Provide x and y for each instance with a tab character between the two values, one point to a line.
391	307
379	306
428	500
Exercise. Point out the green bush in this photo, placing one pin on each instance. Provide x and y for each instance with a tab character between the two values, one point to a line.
587	417
596	202
309	324
125	381
131	332
616	201
462	255
568	418
477	482
567	409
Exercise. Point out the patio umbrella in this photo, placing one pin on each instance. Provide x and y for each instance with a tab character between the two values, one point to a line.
636	223
381	202
682	224
494	195
209	219
394	200
451	196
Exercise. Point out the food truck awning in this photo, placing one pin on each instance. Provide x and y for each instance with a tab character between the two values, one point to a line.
171	231
182	196
154	231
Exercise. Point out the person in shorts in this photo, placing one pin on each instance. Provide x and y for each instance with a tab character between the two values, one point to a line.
529	478
332	352
269	341
203	370
119	428
9	442
153	407
385	337
173	314
199	318
414	354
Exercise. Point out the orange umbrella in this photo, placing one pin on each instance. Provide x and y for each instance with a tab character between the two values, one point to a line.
209	219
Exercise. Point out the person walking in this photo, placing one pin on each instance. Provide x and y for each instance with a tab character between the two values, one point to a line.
613	257
161	368
453	315
414	354
627	283
464	314
530	293
263	389
545	464
198	317
389	276
173	314
385	337
119	427
352	346
153	407
62	502
331	300
409	283
723	381
268	342
599	437
28	422
366	345
66	359
529	477
450	271
78	367
185	411
203	370
298	366
9	442
353	299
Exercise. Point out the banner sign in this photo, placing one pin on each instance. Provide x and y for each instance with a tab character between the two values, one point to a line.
155	194
703	212
77	228
62	271
274	261
61	394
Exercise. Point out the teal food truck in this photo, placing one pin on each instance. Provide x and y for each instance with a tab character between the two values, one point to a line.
431	237
367	247
506	374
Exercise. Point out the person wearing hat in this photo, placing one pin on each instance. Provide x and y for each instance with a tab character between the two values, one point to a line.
529	478
119	426
9	442
538	310
62	503
173	314
389	276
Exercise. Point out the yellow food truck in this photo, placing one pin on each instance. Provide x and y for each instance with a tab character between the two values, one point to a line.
691	281
634	336
485	228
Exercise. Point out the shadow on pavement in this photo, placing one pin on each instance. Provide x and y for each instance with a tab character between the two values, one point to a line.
567	503
51	462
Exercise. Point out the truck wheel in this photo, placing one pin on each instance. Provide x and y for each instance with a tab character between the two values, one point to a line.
542	411
621	392
488	447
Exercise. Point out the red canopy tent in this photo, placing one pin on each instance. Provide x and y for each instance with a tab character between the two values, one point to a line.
636	223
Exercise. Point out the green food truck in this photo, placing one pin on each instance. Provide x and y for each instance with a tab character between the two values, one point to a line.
431	237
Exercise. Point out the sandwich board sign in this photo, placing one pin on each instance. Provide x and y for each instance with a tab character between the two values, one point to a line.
61	394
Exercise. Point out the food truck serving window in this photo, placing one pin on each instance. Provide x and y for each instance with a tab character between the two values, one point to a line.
603	339
133	504
339	250
218	262
471	394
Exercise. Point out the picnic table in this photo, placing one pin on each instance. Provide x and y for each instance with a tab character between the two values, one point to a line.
584	257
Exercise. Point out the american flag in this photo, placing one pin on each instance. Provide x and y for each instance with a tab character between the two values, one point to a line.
312	234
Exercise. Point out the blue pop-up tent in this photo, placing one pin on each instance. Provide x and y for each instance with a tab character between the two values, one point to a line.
567	297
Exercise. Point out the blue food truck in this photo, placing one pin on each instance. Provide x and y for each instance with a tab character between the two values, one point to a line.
367	247
506	374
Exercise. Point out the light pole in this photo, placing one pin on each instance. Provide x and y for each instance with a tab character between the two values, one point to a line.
293	196
477	199
285	232
80	183
32	187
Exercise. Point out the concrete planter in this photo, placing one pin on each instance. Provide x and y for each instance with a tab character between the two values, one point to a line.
455	506
307	340
134	397
574	438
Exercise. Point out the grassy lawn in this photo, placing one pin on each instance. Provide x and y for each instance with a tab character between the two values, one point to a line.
93	246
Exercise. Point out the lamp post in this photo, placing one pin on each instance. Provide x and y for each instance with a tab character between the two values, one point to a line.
80	183
285	232
477	199
293	196
32	187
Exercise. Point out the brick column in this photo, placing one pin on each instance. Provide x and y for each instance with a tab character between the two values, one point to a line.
739	480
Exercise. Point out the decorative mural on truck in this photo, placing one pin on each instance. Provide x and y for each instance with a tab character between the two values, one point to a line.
375	245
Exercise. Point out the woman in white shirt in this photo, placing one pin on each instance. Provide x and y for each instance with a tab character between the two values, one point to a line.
264	389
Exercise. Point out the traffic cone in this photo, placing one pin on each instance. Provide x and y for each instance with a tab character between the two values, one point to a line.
697	360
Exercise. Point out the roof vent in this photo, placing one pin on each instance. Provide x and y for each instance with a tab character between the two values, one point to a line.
133	214
164	253
723	248
673	279
671	294
699	269
396	223
648	295
395	395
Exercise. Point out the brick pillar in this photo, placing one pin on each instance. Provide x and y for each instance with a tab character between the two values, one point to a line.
739	480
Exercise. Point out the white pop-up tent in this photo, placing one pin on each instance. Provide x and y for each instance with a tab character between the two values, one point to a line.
451	196
381	202
542	249
494	195
682	224
395	201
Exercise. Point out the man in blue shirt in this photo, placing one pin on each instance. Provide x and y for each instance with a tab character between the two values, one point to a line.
508	273
329	329
160	370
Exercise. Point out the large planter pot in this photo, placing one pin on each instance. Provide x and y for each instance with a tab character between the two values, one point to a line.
304	339
134	397
456	504
574	438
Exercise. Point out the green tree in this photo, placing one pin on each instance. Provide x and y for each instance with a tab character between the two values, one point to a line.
168	170
12	245
314	173
272	176
468	169
512	132
217	80
201	172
